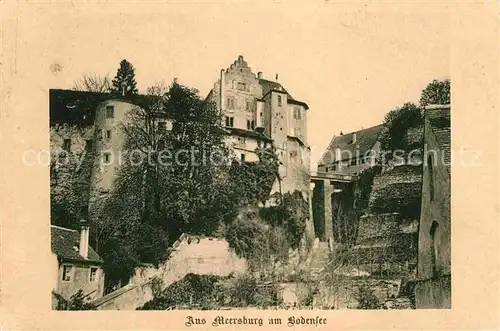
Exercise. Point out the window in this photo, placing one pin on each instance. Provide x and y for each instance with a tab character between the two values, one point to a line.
107	157
326	169
229	121
241	86
279	100
67	145
434	247
298	133
334	167
250	125
162	126
110	111
431	177
248	105
241	140
354	161
88	145
66	276
108	134
93	275
296	113
242	157
230	103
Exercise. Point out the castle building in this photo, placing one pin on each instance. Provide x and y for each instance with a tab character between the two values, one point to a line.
87	126
433	287
257	110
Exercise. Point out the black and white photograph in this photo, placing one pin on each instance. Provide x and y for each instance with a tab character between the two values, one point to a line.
212	192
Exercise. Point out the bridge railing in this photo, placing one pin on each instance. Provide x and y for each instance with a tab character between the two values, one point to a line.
333	175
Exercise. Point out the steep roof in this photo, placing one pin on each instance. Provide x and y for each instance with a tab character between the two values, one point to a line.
439	118
365	140
78	107
269	85
63	243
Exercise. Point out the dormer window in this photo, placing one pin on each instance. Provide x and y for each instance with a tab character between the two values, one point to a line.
241	86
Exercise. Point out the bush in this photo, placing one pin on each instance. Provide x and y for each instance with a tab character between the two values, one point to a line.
199	291
396	125
367	299
76	302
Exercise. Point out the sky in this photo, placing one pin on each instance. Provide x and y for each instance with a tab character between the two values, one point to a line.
350	63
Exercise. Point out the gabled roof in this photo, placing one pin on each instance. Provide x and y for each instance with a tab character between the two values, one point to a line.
269	86
63	243
365	140
439	117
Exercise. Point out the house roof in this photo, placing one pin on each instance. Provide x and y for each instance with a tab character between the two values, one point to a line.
63	243
269	86
78	107
439	118
365	140
247	133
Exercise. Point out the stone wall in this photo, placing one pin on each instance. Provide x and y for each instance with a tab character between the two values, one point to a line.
126	298
433	293
296	174
397	190
189	254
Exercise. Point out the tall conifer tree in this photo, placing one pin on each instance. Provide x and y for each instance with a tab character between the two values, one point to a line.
124	82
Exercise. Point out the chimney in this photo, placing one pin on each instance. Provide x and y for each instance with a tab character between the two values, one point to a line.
276	77
354	138
84	239
259	75
341	133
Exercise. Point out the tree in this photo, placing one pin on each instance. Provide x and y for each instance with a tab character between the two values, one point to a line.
396	125
437	92
168	183
93	83
70	173
76	302
124	83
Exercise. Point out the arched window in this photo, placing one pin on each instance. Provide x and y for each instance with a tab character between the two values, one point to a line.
434	246
430	169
